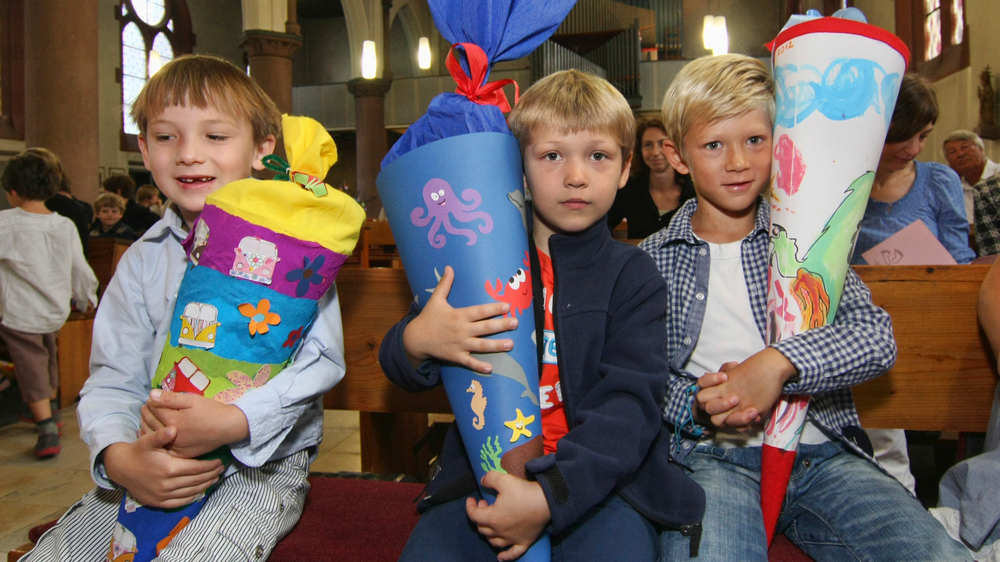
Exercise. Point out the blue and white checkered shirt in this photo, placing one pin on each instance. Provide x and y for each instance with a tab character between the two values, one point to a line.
858	346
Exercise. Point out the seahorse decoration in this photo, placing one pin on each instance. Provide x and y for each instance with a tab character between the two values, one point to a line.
478	404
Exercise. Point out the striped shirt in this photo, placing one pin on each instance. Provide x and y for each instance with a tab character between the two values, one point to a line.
858	346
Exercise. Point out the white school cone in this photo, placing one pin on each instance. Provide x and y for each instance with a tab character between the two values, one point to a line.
836	82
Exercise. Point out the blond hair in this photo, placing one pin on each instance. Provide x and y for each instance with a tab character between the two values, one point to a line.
712	88
203	81
108	199
572	101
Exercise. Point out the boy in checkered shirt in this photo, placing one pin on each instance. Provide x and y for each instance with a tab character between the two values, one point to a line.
719	113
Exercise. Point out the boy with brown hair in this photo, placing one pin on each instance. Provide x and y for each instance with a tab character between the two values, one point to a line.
719	114
108	223
42	269
605	486
204	124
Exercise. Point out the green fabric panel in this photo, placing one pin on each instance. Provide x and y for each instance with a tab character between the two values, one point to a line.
215	368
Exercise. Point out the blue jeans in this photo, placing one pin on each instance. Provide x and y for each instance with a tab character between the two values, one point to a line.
612	531
838	506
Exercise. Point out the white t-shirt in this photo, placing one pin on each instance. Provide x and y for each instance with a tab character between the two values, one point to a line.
729	333
42	269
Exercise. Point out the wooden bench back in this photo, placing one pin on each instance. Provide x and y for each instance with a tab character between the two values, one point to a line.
943	379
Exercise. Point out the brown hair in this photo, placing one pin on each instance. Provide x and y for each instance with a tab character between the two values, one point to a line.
916	107
201	81
638	164
50	157
121	184
31	175
572	101
108	199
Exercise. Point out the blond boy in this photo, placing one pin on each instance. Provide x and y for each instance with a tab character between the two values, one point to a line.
713	255
203	124
605	485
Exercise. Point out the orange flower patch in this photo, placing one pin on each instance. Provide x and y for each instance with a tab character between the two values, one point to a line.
261	317
811	295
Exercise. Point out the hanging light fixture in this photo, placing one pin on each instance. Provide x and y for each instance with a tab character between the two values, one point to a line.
368	61
714	35
424	53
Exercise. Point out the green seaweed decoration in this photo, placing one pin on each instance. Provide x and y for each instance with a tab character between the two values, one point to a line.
490	455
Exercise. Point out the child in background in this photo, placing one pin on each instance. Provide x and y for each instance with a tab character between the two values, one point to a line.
149	197
108	209
204	123
63	202
719	115
605	485
42	269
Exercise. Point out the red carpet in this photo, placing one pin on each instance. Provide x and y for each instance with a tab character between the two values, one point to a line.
352	519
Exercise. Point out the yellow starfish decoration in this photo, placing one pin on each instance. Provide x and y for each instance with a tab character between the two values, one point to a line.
519	426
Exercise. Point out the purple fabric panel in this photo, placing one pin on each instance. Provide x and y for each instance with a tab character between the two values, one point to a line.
222	251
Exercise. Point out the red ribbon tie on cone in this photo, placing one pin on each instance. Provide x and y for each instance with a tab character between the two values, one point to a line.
472	87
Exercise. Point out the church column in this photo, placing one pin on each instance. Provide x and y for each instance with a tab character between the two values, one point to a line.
65	124
270	54
369	104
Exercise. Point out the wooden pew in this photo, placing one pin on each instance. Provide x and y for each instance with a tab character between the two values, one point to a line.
943	379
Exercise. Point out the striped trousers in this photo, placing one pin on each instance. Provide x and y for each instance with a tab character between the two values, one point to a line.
250	511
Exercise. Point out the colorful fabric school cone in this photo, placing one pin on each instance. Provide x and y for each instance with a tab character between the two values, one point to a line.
261	254
836	82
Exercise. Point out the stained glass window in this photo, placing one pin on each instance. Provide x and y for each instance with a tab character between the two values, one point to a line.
957	21
149	41
932	29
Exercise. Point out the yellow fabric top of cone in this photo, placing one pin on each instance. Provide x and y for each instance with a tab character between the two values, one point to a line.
333	220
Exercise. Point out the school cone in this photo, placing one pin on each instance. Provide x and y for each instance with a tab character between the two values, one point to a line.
836	82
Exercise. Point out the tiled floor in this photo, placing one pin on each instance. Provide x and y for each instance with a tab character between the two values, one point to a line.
33	491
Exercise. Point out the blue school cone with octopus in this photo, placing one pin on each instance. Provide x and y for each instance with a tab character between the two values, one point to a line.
260	256
452	189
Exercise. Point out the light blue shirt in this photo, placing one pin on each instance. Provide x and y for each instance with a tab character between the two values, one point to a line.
132	324
935	198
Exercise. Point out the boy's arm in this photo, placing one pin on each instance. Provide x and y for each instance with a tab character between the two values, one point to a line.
272	410
616	420
414	348
83	281
122	341
857	347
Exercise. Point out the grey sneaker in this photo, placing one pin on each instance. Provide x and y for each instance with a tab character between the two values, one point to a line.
48	440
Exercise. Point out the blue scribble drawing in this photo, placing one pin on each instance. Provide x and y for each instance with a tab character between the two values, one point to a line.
845	90
441	204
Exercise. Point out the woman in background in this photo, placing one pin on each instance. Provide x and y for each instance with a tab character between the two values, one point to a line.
906	190
655	191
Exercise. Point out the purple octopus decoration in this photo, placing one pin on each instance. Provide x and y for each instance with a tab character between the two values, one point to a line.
442	205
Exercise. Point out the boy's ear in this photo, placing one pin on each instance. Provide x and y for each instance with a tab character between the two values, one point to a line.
626	168
263	149
144	149
675	158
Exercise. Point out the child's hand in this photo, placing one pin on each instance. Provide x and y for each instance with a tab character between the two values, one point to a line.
154	476
201	424
453	334
736	396
515	519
